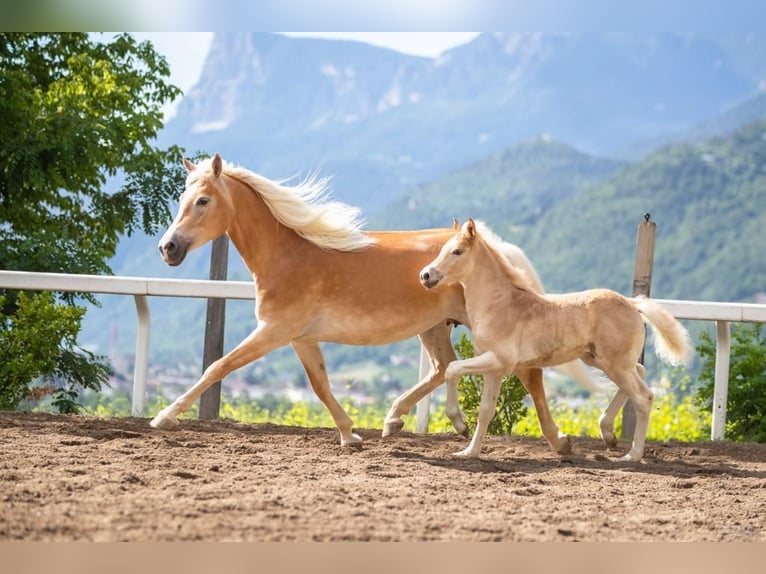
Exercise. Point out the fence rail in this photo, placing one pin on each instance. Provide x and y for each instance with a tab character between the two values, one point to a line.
142	287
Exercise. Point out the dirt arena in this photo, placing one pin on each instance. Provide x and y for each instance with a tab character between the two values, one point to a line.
66	478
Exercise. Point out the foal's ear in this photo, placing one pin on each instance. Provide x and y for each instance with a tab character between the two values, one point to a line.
190	167
469	229
217	165
455	224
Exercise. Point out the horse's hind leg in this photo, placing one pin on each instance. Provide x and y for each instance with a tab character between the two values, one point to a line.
311	357
437	345
261	341
532	379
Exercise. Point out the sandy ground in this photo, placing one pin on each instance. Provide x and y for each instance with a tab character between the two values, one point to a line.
65	478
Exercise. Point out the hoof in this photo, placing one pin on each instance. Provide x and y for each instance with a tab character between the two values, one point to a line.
165	421
352	441
566	445
466	453
631	457
465	433
392	427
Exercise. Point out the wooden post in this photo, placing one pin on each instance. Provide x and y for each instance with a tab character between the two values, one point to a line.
210	401
642	285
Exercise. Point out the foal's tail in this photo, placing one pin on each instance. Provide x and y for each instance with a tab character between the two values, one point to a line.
671	340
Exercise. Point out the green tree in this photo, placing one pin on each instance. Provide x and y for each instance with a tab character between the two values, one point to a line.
510	402
78	169
746	400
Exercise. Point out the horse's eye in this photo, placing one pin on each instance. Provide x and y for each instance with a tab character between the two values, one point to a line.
202	201
457	252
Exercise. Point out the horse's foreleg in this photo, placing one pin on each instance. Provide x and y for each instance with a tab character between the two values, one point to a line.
486	364
311	357
437	345
532	379
261	341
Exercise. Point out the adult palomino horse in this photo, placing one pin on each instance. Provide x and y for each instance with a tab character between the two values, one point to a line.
318	277
517	327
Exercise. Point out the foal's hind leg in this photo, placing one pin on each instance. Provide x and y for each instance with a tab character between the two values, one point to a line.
633	386
311	357
532	379
606	420
437	345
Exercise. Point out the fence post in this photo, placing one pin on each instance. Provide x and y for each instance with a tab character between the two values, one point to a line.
210	401
642	285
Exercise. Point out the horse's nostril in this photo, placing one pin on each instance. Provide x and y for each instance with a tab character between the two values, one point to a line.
425	276
170	247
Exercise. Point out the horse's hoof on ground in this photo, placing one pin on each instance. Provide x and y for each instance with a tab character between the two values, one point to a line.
630	457
354	441
164	422
465	433
465	453
392	427
566	445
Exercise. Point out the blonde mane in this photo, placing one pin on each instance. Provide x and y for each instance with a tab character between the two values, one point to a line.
304	209
494	244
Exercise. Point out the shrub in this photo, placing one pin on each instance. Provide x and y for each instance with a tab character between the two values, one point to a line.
510	405
746	404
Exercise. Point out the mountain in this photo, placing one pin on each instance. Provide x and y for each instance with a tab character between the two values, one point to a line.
509	190
381	121
708	201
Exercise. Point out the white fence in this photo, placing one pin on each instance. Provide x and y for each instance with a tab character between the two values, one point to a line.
141	288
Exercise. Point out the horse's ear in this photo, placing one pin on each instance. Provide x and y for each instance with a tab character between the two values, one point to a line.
217	165
190	167
470	229
455	224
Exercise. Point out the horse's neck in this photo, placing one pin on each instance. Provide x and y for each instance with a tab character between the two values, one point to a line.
254	231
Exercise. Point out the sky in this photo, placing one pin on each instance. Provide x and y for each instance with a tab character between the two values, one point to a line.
186	51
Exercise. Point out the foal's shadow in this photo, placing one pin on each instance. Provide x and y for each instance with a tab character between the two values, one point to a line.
584	464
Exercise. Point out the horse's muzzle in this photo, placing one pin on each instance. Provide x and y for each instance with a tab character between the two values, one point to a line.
430	277
173	250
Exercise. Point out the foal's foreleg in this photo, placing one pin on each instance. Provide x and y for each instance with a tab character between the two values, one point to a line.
437	345
532	379
261	341
311	357
486	364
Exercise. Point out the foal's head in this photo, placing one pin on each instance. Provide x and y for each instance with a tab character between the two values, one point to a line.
453	264
204	211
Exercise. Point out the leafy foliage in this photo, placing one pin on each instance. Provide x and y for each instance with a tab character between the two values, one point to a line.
77	170
746	401
510	405
38	340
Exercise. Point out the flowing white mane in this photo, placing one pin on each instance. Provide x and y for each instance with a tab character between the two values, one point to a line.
305	209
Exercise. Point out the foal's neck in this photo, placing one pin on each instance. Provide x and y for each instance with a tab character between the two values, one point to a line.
492	272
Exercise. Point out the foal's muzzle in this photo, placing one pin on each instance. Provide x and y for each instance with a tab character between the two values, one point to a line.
430	277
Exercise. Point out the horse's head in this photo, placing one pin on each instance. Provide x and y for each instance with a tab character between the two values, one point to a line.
204	211
451	265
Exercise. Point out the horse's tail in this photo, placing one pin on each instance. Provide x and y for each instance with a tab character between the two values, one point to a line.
671	339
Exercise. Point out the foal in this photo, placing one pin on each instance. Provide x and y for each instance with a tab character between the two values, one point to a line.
517	328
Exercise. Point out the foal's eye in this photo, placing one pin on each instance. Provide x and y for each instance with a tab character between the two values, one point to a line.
457	252
202	201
